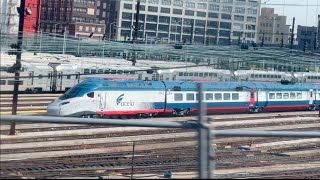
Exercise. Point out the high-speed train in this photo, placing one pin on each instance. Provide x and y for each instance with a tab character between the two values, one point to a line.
98	97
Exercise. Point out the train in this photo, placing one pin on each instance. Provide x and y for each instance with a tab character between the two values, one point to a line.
101	98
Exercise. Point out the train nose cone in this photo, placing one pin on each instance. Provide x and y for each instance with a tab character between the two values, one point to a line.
53	109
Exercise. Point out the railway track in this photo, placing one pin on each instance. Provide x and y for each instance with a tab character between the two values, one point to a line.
56	150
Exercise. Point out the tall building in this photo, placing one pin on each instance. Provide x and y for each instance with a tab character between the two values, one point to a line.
216	21
74	17
9	17
272	27
307	37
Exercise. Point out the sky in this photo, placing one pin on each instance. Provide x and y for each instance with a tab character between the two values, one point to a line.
305	15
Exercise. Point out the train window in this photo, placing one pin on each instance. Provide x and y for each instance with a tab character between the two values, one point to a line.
180	73
272	96
11	82
40	76
185	74
299	95
106	71
205	74
235	96
268	75
272	76
90	95
190	74
252	75
120	72
279	76
196	74
113	71
279	95
218	96
210	74
286	96
68	77
2	82
209	96
215	75
197	96
256	75
226	96
178	97
200	74
309	77
100	71
93	71
126	72
260	75
190	97
132	72
292	95
264	76
86	71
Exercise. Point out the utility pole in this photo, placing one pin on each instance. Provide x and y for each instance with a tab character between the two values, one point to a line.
136	28
17	66
292	33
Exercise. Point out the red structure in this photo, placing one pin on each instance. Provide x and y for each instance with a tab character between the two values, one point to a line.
32	17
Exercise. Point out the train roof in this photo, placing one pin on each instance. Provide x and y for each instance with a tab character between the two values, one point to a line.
103	84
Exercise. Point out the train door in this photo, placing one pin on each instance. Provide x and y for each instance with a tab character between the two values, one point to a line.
102	100
252	99
312	100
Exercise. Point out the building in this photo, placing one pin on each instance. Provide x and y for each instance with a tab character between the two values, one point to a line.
272	27
216	21
307	37
9	17
74	17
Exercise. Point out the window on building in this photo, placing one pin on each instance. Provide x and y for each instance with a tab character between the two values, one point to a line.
165	10
127	6
152	9
177	11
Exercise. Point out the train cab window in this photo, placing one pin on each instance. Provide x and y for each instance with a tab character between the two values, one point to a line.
209	96
196	74
226	96
292	95
264	76
180	73
90	95
178	97
200	74
299	95
40	76
218	96
86	71
2	82
286	96
272	96
190	97
252	75
190	74
279	95
235	96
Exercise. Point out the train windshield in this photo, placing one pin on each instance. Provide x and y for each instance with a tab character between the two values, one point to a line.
73	92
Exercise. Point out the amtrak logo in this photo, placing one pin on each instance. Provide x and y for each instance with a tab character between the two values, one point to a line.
119	101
